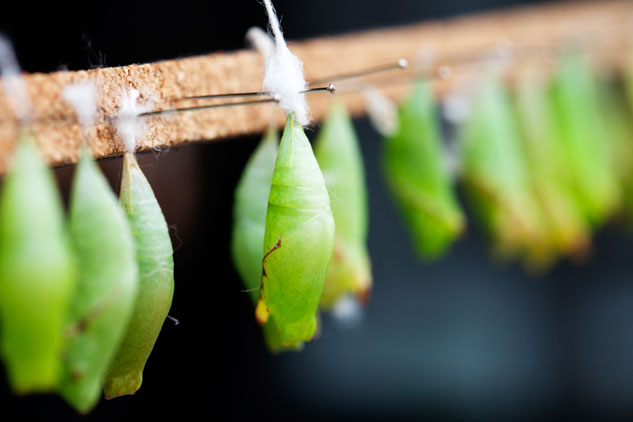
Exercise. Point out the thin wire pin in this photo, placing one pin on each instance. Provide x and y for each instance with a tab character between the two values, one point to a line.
400	64
270	99
330	88
205	107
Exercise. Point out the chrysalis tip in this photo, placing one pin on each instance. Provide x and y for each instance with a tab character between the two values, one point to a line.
261	313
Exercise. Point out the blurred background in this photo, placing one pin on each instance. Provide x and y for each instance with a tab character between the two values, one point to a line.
459	339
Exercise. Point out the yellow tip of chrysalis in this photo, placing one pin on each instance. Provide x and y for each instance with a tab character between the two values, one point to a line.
261	313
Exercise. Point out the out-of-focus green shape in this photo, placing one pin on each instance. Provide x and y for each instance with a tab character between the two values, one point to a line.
627	79
338	153
249	225
104	300
154	255
495	176
582	133
417	176
545	158
37	272
298	240
617	111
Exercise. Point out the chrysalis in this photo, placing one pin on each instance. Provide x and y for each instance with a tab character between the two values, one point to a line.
298	240
545	160
37	272
249	224
582	134
618	118
417	176
104	300
338	154
154	255
495	175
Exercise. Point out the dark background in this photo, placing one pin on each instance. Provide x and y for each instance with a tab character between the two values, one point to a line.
462	338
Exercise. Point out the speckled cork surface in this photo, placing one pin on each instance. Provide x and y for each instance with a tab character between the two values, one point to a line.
163	83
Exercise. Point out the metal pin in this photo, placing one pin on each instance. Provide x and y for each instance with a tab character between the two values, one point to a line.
271	99
400	64
330	88
206	107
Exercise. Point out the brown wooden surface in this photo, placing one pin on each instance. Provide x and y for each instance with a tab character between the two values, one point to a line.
597	25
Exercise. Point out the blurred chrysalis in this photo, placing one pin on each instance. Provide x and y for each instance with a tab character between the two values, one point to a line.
495	176
418	178
298	240
582	133
338	154
154	255
249	225
617	113
545	161
37	272
104	300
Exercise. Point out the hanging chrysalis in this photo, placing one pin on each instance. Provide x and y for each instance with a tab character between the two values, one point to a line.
627	80
582	132
154	255
37	272
545	160
417	176
495	176
617	115
338	154
249	225
104	300
298	240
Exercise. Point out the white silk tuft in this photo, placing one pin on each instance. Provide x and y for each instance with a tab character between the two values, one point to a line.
283	73
129	124
82	96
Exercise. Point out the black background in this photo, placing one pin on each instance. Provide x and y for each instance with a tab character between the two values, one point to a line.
462	338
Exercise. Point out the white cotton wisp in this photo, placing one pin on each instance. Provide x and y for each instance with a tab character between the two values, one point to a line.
13	82
283	73
82	97
260	41
129	124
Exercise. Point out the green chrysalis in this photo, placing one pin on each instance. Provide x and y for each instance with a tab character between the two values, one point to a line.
618	118
37	272
417	176
495	176
338	154
582	133
249	225
104	300
545	160
154	255
298	240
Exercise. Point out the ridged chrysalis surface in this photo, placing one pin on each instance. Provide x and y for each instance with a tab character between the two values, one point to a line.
298	240
249	225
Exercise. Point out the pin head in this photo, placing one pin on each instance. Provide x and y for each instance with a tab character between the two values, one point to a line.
331	88
403	63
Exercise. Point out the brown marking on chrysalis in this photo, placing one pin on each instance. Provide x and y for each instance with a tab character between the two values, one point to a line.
82	324
363	296
274	248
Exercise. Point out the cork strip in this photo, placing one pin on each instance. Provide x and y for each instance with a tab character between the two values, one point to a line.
165	82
